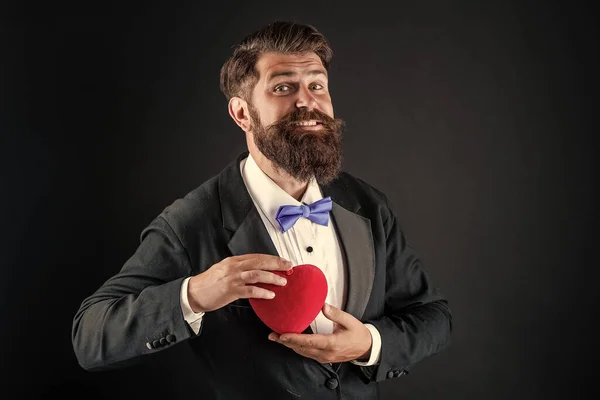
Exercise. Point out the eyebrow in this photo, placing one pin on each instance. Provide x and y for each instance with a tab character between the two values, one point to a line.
291	73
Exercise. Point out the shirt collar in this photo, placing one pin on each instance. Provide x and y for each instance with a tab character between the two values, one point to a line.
268	196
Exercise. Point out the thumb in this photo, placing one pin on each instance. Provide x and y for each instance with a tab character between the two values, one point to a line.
335	314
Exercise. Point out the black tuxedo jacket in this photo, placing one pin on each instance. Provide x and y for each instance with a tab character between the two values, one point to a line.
137	312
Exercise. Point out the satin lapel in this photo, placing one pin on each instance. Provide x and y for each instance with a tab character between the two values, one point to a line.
239	214
356	238
252	237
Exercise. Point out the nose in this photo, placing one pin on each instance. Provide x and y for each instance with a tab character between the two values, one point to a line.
306	99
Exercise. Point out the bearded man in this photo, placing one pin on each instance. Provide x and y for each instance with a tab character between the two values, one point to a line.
202	259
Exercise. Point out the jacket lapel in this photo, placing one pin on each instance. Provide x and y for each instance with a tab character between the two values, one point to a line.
356	238
252	237
355	235
239	214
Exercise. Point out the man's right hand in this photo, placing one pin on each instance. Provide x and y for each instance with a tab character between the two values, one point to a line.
234	278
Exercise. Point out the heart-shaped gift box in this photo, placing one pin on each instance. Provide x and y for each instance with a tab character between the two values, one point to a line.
296	304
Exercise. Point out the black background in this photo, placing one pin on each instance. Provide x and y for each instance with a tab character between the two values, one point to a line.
476	118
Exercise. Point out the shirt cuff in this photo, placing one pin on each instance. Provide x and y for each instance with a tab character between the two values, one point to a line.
375	348
192	318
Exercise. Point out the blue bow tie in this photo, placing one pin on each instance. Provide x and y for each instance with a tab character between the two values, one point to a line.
317	212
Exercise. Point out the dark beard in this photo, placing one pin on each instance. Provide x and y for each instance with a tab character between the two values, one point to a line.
301	153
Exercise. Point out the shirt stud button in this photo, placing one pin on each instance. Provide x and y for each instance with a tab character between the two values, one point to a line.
309	249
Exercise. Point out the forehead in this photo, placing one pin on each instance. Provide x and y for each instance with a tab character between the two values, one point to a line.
272	63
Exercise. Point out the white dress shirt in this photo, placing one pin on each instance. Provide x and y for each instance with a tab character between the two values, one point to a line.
304	243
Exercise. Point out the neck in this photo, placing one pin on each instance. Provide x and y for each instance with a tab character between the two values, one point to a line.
289	184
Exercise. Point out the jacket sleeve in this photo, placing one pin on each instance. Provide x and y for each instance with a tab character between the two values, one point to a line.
417	321
137	311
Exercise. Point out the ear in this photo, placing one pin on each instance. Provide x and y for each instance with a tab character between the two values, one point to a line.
238	110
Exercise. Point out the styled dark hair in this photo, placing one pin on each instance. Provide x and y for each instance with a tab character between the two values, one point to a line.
239	75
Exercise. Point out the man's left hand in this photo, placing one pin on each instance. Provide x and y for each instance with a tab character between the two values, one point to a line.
350	340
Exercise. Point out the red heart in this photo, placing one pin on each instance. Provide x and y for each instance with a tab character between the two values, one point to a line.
296	304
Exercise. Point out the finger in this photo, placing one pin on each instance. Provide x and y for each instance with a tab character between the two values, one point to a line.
258	276
316	354
337	315
254	292
307	341
243	257
298	348
265	262
321	355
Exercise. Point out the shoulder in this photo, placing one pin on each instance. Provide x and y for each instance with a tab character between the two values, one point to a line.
358	187
200	202
194	211
354	192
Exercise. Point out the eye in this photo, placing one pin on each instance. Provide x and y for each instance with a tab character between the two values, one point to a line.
281	88
316	86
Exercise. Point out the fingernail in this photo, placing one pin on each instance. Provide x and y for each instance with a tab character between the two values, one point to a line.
271	295
283	281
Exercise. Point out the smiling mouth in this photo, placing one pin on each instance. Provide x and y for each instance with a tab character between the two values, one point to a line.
308	123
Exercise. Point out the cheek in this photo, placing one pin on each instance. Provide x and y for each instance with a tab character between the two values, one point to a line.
275	114
327	108
282	113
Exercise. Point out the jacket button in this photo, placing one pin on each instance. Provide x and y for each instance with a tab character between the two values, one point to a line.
331	383
396	373
171	338
149	345
163	341
156	343
390	374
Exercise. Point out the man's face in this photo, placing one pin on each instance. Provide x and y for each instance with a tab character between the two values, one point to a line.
292	116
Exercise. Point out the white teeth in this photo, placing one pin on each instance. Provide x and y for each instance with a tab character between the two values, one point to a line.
306	123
